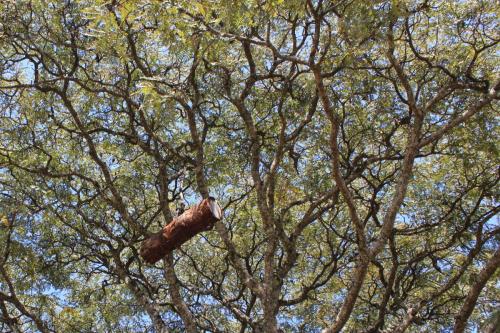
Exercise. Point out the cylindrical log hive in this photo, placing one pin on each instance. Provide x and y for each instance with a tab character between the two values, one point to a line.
182	228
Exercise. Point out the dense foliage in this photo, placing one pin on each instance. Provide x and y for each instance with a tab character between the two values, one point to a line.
353	145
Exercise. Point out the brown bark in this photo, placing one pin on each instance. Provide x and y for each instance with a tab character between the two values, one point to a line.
175	293
182	228
470	301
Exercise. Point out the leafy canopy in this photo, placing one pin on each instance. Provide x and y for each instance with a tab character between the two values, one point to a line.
352	144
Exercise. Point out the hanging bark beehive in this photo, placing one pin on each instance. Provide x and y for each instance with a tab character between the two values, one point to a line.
182	228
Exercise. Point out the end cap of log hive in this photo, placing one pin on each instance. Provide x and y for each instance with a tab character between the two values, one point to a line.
182	228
